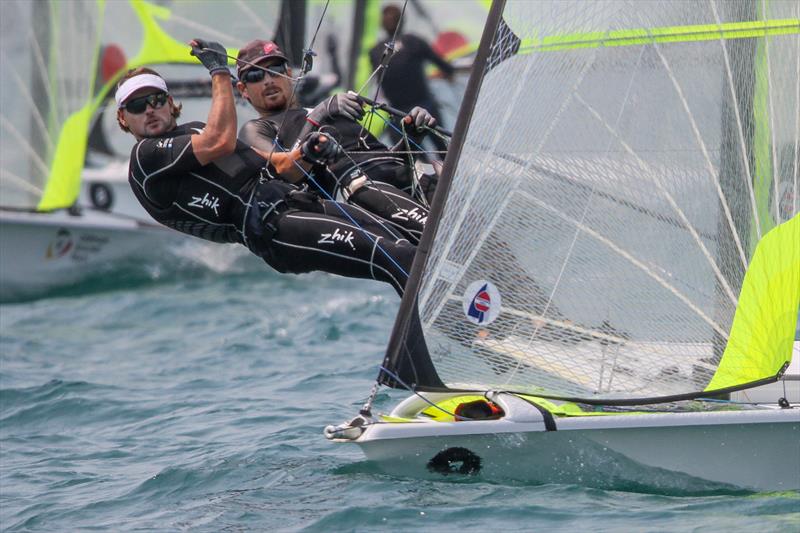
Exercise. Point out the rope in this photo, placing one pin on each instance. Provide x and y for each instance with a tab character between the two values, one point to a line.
308	53
403	383
358	166
307	63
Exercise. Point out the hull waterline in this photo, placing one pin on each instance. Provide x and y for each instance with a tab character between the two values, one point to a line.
39	251
754	449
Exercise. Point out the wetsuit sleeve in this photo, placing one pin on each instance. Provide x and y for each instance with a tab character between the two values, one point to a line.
158	163
433	57
375	54
258	134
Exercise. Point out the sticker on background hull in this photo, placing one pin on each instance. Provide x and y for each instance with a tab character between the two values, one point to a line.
60	245
481	302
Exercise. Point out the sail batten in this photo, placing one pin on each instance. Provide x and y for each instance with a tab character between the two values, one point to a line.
601	242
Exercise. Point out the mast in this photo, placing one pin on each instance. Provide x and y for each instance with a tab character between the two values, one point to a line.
291	30
406	355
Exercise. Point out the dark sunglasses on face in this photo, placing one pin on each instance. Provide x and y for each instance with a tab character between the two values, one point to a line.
137	106
255	75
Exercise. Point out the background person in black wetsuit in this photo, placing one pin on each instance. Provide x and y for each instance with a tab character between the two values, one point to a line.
403	83
198	179
367	174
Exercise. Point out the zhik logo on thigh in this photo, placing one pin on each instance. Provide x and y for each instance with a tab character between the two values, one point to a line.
345	236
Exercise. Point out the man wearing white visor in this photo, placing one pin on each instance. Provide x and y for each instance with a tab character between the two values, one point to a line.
198	179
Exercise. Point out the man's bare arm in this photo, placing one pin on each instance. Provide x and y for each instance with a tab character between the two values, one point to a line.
286	164
218	138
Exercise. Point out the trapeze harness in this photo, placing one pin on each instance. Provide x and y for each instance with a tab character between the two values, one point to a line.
237	199
367	176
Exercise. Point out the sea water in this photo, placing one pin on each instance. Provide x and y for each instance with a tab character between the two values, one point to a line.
197	402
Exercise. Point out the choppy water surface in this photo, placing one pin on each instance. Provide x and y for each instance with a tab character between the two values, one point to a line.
199	404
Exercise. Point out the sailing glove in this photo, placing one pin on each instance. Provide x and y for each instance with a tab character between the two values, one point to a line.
317	151
211	54
420	118
344	105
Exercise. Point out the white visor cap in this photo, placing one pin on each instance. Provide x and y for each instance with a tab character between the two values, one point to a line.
135	83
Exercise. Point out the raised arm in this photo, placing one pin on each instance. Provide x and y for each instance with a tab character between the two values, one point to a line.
218	138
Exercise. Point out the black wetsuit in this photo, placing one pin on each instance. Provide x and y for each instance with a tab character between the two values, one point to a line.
387	190
236	199
404	83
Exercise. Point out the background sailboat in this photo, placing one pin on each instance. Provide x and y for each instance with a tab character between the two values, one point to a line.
618	226
60	63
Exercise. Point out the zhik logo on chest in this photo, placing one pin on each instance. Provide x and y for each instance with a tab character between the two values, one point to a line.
337	236
206	201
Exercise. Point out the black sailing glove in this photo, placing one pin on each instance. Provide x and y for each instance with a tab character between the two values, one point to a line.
344	105
211	54
320	149
420	118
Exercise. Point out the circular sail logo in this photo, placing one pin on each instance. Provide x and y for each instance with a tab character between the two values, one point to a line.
481	302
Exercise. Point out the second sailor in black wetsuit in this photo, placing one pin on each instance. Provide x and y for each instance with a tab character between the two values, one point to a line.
198	179
368	175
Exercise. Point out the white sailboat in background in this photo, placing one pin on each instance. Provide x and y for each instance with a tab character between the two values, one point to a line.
60	63
615	237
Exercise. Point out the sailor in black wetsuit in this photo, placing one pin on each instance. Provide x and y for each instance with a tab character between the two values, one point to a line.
366	175
198	179
404	83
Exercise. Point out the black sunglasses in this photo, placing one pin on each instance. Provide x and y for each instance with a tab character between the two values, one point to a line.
256	74
137	106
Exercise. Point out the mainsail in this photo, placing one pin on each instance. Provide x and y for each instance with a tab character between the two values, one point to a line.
617	220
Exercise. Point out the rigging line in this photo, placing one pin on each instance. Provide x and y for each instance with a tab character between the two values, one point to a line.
319	24
254	65
20	182
796	160
36	158
355	165
749	176
411	167
404	134
411	390
775	169
684	219
345	213
304	69
388	52
398	113
706	156
413	170
253	16
206	29
25	92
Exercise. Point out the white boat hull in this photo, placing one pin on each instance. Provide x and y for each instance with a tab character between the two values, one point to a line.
757	449
39	251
